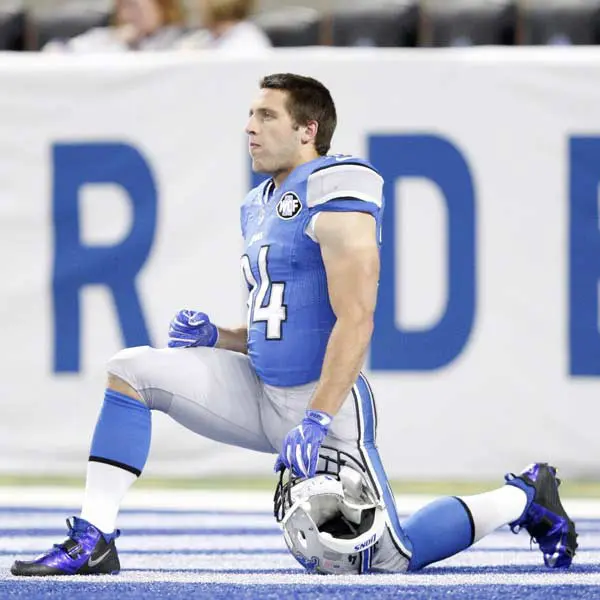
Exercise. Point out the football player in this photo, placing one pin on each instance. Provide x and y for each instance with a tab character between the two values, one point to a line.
291	378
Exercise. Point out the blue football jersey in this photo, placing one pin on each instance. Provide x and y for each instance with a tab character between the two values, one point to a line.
289	314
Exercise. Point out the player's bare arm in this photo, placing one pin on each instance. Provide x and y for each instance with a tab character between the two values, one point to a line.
350	254
233	339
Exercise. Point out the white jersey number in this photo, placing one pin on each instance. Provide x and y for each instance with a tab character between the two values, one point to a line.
275	312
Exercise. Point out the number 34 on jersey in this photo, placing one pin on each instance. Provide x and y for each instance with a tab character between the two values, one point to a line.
274	311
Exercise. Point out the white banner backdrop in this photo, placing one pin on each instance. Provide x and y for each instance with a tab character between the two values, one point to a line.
502	398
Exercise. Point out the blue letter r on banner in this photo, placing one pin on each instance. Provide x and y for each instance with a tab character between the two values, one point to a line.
77	265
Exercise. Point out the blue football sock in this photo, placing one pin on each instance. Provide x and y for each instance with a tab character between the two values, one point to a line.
439	530
122	434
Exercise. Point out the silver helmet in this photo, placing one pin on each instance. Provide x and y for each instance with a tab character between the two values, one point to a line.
331	521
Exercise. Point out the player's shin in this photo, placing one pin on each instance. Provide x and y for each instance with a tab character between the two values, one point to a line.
118	454
449	525
438	530
494	509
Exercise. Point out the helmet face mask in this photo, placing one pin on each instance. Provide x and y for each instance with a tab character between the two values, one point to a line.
329	520
331	463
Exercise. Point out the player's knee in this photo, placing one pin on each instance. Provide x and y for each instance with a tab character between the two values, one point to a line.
119	385
125	370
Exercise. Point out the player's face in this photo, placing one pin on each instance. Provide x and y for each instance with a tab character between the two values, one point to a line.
274	139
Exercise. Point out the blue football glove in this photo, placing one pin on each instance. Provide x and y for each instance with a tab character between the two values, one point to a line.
300	450
189	329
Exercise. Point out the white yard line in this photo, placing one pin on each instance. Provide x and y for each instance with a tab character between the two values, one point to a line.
131	522
222	500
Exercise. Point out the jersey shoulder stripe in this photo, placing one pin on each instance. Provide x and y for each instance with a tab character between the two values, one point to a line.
344	180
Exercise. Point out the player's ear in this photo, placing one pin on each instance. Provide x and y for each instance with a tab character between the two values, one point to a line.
310	132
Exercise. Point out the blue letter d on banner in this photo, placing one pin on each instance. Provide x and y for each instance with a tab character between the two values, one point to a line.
438	160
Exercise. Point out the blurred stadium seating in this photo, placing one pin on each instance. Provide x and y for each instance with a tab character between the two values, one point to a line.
12	26
292	26
29	24
560	22
469	23
376	23
66	20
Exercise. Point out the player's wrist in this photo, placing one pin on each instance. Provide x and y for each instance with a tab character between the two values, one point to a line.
322	418
213	340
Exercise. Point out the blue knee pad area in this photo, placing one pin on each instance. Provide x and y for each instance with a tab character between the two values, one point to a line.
439	530
123	432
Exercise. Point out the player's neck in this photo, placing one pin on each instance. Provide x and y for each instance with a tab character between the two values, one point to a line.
281	176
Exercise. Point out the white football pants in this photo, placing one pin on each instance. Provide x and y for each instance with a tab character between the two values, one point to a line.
217	394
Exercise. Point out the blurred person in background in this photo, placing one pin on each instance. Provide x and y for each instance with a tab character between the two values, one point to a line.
226	26
137	25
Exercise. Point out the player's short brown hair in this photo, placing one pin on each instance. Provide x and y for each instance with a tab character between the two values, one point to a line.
308	100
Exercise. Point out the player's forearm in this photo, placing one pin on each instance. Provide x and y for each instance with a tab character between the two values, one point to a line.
343	361
233	339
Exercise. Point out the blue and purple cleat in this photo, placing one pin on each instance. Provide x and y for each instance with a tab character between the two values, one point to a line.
545	519
87	551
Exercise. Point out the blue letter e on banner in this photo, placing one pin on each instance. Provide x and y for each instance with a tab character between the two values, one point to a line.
584	257
116	267
438	160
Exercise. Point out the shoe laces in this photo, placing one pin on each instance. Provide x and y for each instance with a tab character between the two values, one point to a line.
71	545
516	529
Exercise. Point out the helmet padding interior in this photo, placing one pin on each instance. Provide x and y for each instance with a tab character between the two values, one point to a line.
340	527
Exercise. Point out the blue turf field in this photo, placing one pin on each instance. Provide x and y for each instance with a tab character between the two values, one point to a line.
229	547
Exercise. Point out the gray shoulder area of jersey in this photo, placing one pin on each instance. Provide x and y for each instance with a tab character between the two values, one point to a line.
344	181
